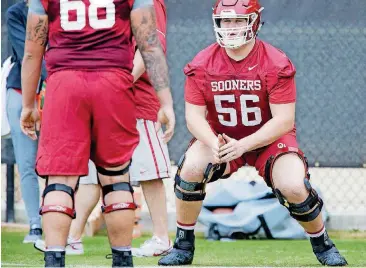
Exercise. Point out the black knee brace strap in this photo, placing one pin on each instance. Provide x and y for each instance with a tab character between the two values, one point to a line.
305	211
58	208
121	186
312	206
212	173
114	172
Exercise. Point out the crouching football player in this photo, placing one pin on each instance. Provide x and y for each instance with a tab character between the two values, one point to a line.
240	107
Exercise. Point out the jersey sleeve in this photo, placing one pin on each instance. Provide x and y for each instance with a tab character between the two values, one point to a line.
281	85
142	3
161	23
193	88
36	7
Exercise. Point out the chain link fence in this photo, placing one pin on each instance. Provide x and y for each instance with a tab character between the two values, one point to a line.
326	40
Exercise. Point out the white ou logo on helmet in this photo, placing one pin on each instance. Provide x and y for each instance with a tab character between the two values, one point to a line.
281	145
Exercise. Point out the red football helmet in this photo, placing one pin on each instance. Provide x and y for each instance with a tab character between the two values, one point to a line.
234	37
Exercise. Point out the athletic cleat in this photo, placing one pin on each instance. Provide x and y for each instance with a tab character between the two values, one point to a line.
177	257
54	258
331	257
34	235
73	247
326	252
121	258
152	248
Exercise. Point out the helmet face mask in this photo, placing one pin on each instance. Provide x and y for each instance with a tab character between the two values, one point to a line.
246	20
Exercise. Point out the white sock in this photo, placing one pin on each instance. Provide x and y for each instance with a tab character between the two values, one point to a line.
317	234
186	226
55	248
128	248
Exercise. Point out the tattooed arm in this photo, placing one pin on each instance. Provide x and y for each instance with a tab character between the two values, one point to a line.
144	30
35	44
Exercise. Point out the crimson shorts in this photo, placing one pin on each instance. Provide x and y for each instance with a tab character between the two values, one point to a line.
259	158
87	114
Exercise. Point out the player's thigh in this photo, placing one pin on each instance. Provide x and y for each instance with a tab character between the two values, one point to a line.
150	159
288	175
288	170
114	132
64	146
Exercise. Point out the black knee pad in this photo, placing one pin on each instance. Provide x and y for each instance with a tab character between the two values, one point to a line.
305	211
120	186
58	208
212	173
312	206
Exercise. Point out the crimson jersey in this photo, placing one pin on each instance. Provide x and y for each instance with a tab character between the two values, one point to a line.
147	103
89	34
237	94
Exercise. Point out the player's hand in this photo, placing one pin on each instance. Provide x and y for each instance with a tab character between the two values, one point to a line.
166	117
231	150
30	122
216	149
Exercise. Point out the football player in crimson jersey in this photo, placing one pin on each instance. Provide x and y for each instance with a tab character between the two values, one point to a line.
90	108
240	106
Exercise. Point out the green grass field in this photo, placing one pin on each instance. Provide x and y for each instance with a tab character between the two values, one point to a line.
208	253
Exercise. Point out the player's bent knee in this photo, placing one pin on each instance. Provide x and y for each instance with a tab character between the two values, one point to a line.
195	191
305	211
58	208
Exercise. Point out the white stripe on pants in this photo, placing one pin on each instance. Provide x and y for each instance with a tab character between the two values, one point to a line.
151	158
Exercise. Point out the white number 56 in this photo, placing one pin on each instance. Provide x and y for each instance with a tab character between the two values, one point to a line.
94	21
245	110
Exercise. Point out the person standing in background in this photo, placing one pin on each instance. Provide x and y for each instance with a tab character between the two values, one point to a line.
150	161
25	149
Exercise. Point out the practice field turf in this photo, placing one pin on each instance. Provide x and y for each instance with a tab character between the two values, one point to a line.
208	253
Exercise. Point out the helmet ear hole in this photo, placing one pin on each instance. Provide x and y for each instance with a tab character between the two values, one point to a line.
218	22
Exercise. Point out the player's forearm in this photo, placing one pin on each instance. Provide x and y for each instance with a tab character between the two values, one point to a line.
138	66
144	30
31	72
268	133
201	130
165	97
35	43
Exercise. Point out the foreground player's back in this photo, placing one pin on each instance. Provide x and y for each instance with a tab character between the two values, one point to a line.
89	34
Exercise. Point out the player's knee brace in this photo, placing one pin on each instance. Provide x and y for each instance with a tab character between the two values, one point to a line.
120	186
312	206
211	174
58	208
